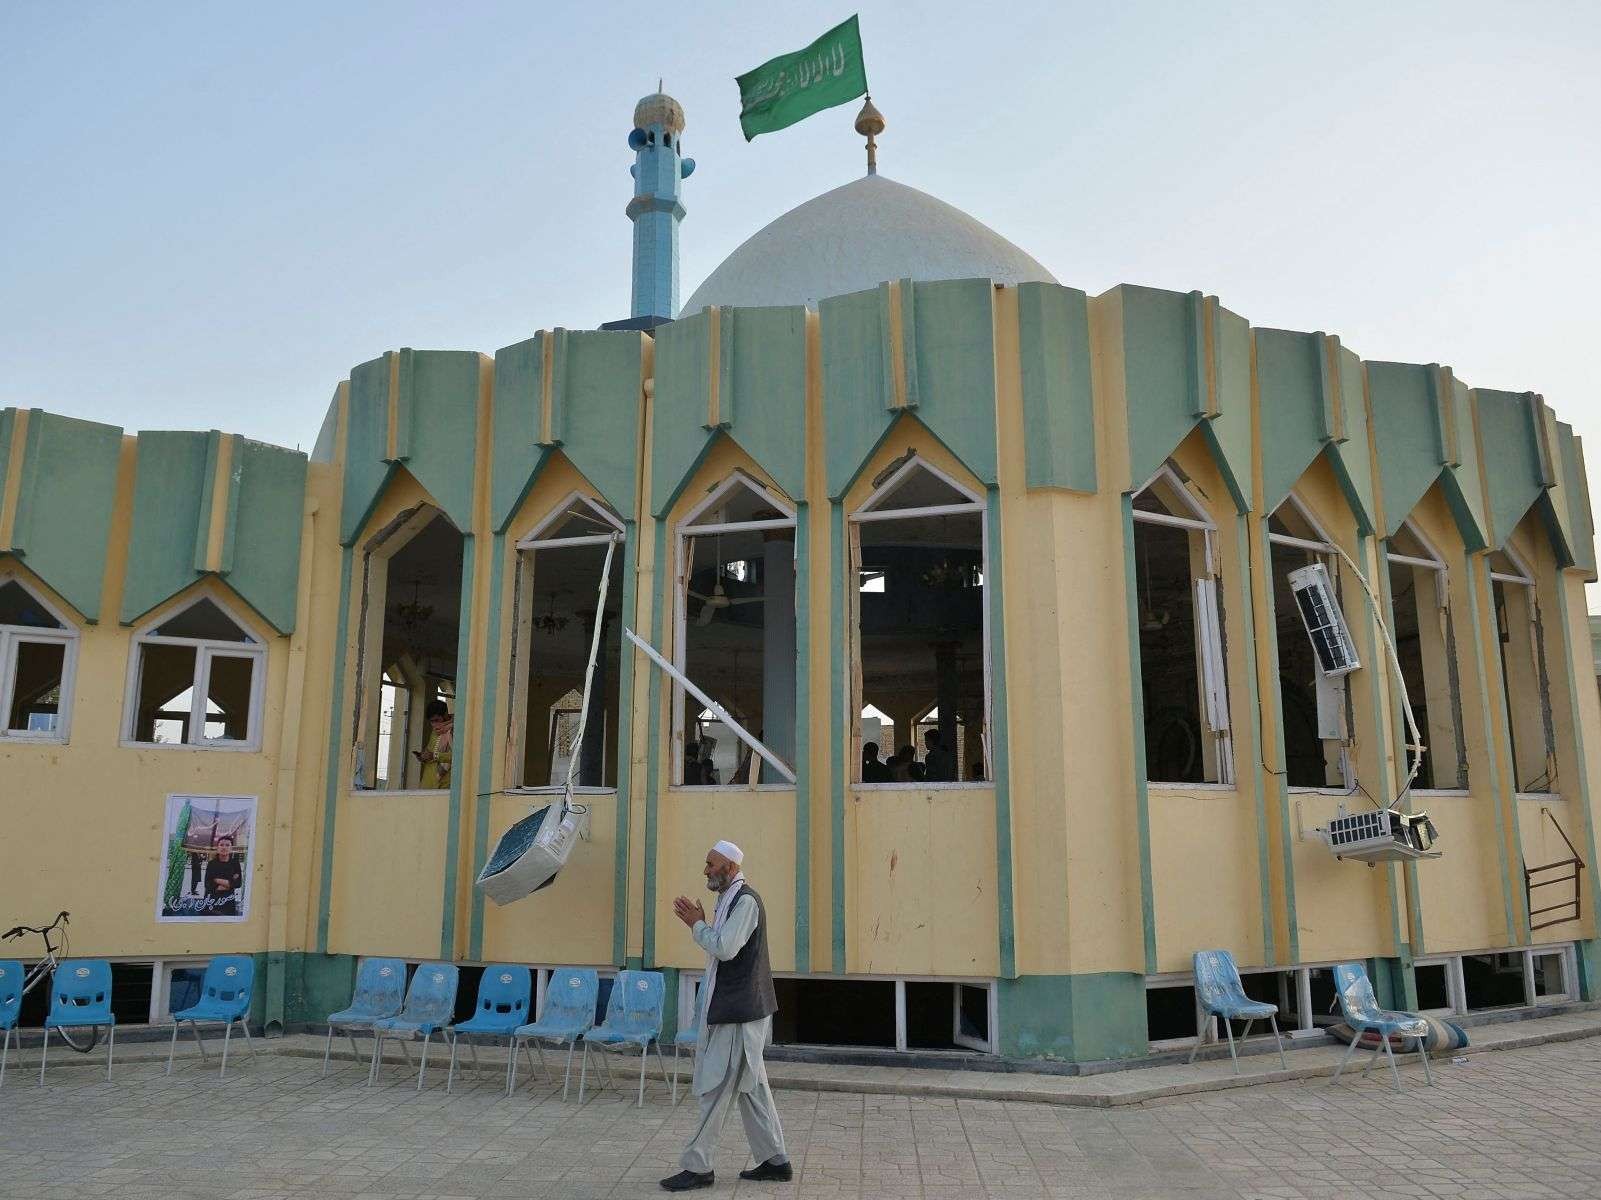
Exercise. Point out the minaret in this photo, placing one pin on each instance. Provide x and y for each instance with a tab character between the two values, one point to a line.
657	207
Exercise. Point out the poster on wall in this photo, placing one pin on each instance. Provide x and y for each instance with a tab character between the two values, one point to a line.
206	846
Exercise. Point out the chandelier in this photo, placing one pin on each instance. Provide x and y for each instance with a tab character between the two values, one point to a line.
549	622
412	616
949	576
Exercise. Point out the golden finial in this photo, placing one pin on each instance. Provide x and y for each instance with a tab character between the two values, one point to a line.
870	123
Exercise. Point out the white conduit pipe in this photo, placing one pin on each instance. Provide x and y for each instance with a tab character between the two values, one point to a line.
718	710
589	674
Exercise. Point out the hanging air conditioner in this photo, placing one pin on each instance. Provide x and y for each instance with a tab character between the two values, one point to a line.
1325	624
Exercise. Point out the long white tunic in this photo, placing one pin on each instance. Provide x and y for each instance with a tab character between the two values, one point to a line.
720	1046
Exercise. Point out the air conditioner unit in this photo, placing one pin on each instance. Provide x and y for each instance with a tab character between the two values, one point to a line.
1325	624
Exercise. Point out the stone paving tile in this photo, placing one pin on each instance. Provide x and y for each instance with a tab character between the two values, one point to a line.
1505	1126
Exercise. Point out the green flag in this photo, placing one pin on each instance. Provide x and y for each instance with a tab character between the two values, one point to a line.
792	87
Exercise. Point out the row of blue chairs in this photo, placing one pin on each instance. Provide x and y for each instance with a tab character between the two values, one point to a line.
385	1007
1219	992
80	998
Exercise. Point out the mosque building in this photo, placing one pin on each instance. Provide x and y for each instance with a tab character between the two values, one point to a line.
882	482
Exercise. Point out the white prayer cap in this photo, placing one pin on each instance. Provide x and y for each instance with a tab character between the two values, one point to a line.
730	851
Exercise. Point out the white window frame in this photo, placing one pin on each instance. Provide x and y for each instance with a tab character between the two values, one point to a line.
1563	951
205	649
11	636
867	513
689	527
527	549
1211	669
1442	600
1330	690
1455	987
1524	579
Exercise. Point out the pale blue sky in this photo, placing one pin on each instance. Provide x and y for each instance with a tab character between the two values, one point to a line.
209	213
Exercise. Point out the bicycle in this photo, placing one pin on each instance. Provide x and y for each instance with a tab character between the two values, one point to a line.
82	1040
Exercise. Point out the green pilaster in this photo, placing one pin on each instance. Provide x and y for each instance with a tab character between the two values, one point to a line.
486	738
1242	535
840	724
1142	791
1379	658
1001	768
336	746
625	748
803	738
1570	685
1281	787
1058	404
464	715
1477	575
653	769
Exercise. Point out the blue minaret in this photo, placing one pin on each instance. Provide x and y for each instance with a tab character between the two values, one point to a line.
657	207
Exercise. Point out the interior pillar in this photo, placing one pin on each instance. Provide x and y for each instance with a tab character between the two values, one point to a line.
778	643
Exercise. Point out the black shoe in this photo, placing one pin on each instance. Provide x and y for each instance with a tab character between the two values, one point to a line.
771	1171
688	1181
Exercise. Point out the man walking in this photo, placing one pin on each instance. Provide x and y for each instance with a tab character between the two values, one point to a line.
736	1014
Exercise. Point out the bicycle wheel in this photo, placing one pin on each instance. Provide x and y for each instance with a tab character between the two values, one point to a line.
82	1040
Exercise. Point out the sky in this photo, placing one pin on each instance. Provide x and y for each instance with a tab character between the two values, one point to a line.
210	213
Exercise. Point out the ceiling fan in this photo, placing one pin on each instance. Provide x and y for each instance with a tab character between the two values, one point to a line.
719	599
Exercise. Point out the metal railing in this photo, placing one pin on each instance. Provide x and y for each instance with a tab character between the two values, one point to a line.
1569	868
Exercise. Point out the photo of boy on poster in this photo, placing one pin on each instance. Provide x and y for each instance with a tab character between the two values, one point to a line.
206	847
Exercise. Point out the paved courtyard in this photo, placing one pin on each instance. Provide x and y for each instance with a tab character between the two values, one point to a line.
1516	1123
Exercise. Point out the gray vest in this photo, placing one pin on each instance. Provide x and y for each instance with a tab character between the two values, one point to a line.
744	988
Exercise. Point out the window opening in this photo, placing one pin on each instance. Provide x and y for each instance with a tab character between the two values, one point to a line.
835	1012
1182	672
198	680
38	651
921	645
1494	980
736	622
558	577
1549	974
1434	986
1313	706
1425	644
1525	683
1170	1013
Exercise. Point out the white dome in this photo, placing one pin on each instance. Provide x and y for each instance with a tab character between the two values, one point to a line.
856	237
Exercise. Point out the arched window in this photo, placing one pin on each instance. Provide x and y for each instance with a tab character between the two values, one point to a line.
1312	705
1526	680
557	592
38	657
736	634
198	680
1425	644
404	722
1182	671
920	640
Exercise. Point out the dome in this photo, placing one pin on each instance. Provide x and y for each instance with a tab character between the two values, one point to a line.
658	108
856	237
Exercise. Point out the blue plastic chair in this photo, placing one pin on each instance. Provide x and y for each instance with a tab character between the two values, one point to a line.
504	997
1361	1010
380	990
430	1004
80	997
568	1013
1219	993
10	1006
224	998
633	1018
690	1037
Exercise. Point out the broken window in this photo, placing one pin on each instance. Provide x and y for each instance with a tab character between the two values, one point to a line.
1182	672
199	680
921	641
1526	684
1425	644
38	650
736	643
406	664
1313	706
557	604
